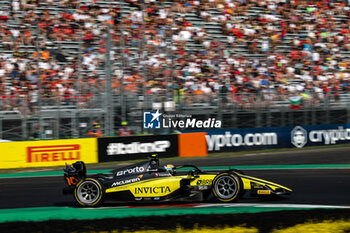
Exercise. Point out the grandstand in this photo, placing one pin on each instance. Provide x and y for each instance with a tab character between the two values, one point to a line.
183	51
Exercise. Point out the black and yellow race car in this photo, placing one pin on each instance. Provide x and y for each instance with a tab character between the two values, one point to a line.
149	182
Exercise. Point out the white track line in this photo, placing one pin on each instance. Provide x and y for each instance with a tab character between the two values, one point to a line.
275	205
232	205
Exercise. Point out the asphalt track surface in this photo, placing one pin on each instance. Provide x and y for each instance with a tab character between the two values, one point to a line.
311	186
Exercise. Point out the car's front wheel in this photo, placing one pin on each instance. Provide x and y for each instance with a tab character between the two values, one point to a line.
226	187
89	192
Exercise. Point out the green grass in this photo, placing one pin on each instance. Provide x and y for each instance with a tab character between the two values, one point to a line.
68	213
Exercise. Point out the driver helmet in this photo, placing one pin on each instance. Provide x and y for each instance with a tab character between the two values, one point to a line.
154	163
169	168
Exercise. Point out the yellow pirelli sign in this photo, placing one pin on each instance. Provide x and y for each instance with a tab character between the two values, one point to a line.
47	153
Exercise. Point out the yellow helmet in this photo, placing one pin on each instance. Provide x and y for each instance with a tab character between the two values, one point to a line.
169	167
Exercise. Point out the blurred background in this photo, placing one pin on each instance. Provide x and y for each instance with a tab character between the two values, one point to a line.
69	67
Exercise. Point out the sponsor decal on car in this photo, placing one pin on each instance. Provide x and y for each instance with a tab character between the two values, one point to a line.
161	174
204	182
152	190
53	153
256	186
71	181
123	182
264	192
203	187
131	171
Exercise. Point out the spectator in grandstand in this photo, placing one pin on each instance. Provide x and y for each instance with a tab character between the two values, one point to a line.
95	131
36	132
124	131
298	43
223	94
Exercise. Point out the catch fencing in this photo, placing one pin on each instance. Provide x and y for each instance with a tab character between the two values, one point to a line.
62	117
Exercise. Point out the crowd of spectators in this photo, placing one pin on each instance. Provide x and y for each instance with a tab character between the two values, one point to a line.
290	48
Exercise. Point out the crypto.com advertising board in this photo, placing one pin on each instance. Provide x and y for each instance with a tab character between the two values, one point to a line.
136	147
226	140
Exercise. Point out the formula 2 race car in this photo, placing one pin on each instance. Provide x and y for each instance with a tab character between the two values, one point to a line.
148	182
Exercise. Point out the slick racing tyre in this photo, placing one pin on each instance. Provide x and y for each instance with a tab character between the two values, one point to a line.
227	187
89	192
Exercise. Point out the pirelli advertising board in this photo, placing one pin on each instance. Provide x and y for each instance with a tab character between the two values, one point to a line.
137	147
47	153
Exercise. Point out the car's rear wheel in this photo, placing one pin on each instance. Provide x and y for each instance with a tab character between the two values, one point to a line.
226	187
89	192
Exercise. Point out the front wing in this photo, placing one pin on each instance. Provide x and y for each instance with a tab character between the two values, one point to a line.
262	187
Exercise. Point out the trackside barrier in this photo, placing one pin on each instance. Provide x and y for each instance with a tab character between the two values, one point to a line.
192	145
136	147
227	140
47	153
91	150
140	147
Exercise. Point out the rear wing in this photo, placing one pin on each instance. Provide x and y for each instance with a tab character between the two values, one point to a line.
74	173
